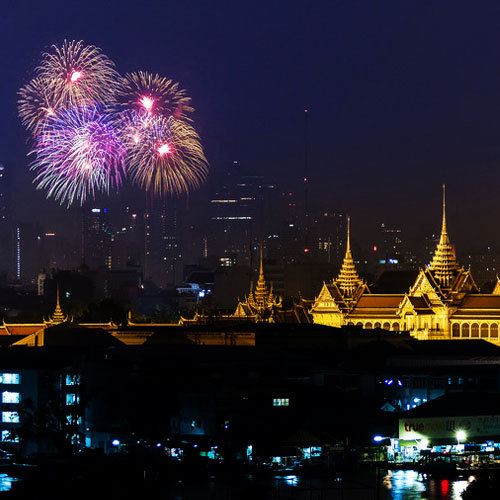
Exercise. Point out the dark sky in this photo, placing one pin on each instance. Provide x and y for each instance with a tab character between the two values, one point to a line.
403	95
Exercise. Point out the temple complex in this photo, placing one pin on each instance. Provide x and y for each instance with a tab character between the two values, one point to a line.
444	301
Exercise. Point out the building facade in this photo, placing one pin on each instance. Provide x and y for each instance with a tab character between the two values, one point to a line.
444	301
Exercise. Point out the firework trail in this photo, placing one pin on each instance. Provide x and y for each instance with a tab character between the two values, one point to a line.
80	74
36	103
78	153
86	121
152	95
165	156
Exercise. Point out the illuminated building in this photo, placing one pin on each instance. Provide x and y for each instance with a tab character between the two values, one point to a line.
27	252
443	302
5	223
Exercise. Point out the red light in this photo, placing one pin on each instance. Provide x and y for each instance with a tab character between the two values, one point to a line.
306	250
374	248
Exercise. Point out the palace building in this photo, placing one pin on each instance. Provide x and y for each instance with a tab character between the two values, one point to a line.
443	303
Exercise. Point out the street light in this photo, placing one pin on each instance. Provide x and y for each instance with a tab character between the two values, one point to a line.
378	438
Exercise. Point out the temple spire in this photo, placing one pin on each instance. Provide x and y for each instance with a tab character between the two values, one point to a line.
444	263
348	279
58	314
443	225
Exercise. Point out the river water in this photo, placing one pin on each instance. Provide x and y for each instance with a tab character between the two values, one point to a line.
396	484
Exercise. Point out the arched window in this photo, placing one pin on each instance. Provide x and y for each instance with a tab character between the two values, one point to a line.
474	330
377	325
484	330
494	331
465	330
350	323
455	330
359	323
395	327
368	325
387	326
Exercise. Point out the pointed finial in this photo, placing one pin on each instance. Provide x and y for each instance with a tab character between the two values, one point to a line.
261	265
348	243
443	227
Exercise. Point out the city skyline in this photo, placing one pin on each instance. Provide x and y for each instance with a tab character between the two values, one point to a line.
379	129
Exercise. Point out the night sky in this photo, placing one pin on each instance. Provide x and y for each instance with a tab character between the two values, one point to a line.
403	95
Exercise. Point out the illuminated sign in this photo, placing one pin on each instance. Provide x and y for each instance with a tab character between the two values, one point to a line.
447	427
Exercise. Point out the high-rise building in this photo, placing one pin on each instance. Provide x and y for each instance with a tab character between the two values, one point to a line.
96	237
240	205
127	241
162	238
28	256
6	249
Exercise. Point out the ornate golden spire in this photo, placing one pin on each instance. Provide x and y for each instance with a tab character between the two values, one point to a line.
58	314
348	279
262	300
444	264
261	293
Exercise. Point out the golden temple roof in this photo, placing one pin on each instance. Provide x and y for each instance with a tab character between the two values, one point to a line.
348	280
261	300
444	264
58	315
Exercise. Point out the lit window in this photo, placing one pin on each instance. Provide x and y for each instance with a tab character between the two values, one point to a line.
11	417
281	402
73	419
72	398
7	436
10	397
10	378
72	379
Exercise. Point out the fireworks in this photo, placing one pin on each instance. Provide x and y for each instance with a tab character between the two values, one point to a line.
167	157
86	121
81	74
78	153
37	102
152	95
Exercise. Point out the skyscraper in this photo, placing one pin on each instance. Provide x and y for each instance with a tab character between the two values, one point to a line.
5	223
162	238
96	237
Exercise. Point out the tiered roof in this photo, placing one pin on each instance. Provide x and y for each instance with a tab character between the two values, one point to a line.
348	280
444	264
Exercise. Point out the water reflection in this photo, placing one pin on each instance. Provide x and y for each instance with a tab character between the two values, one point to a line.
412	485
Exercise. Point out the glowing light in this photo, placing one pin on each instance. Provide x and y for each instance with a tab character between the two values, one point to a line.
164	149
76	75
115	442
461	435
57	72
168	159
378	438
147	103
143	91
